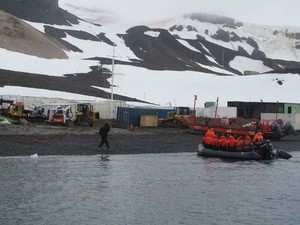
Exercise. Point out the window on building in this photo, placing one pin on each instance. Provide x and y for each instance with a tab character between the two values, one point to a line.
289	110
280	109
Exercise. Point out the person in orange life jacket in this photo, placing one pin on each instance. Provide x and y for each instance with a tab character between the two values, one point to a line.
258	139
231	142
248	144
207	139
214	142
223	144
210	132
239	143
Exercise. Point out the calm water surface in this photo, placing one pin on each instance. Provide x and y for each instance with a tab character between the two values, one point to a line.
148	189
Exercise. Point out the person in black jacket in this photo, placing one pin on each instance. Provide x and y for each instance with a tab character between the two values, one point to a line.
104	134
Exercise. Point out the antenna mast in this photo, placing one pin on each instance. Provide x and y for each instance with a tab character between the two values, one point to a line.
112	74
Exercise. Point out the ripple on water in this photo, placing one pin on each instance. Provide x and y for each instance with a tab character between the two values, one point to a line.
148	189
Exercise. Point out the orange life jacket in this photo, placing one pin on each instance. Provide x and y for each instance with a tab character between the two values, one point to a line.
223	141
258	138
205	140
214	140
231	141
210	133
239	144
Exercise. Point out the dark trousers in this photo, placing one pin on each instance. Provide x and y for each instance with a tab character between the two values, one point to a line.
104	141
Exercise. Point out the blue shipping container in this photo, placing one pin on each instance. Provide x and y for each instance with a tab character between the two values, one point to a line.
131	116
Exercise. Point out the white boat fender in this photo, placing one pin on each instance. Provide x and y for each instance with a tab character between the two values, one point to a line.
34	156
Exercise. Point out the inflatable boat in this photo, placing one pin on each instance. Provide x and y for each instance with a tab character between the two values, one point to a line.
265	152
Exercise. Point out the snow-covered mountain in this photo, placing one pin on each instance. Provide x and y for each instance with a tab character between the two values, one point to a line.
44	47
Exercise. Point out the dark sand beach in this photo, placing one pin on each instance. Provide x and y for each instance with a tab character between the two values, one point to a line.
16	140
41	139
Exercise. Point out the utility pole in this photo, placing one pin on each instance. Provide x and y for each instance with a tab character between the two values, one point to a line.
112	84
194	113
112	74
216	112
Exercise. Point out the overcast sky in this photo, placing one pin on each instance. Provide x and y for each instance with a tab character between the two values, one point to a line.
265	12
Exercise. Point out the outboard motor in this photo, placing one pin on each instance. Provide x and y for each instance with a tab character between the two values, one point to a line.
266	150
277	130
289	129
283	154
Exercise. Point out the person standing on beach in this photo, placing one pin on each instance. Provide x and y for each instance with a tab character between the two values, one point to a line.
104	135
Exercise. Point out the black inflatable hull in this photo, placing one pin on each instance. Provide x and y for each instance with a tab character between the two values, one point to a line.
227	154
205	152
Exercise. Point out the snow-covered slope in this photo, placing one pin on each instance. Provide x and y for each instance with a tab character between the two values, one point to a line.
274	42
161	63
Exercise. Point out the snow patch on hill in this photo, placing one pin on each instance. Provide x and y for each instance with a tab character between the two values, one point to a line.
179	88
243	64
15	61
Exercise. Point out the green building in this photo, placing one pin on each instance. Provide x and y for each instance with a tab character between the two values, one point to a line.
249	72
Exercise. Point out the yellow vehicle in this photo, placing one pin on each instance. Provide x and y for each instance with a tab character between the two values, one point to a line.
177	113
85	114
18	110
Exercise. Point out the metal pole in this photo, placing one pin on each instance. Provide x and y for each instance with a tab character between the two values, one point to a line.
276	110
112	84
112	74
194	114
216	110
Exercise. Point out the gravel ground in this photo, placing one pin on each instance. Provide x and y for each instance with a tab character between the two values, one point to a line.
16	140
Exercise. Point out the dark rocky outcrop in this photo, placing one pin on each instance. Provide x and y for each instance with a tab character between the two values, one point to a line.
253	43
257	54
181	27
191	28
214	19
234	37
42	11
163	52
103	38
58	34
73	83
242	51
221	35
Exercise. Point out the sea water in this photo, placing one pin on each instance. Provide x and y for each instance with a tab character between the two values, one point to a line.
155	189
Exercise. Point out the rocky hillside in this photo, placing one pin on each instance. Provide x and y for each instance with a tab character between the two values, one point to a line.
197	42
18	36
40	11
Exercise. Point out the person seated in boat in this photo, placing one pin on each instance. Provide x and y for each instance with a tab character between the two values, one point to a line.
231	142
214	142
239	144
258	139
210	132
248	144
223	143
207	139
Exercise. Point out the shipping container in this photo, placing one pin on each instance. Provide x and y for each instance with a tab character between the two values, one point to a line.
127	116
